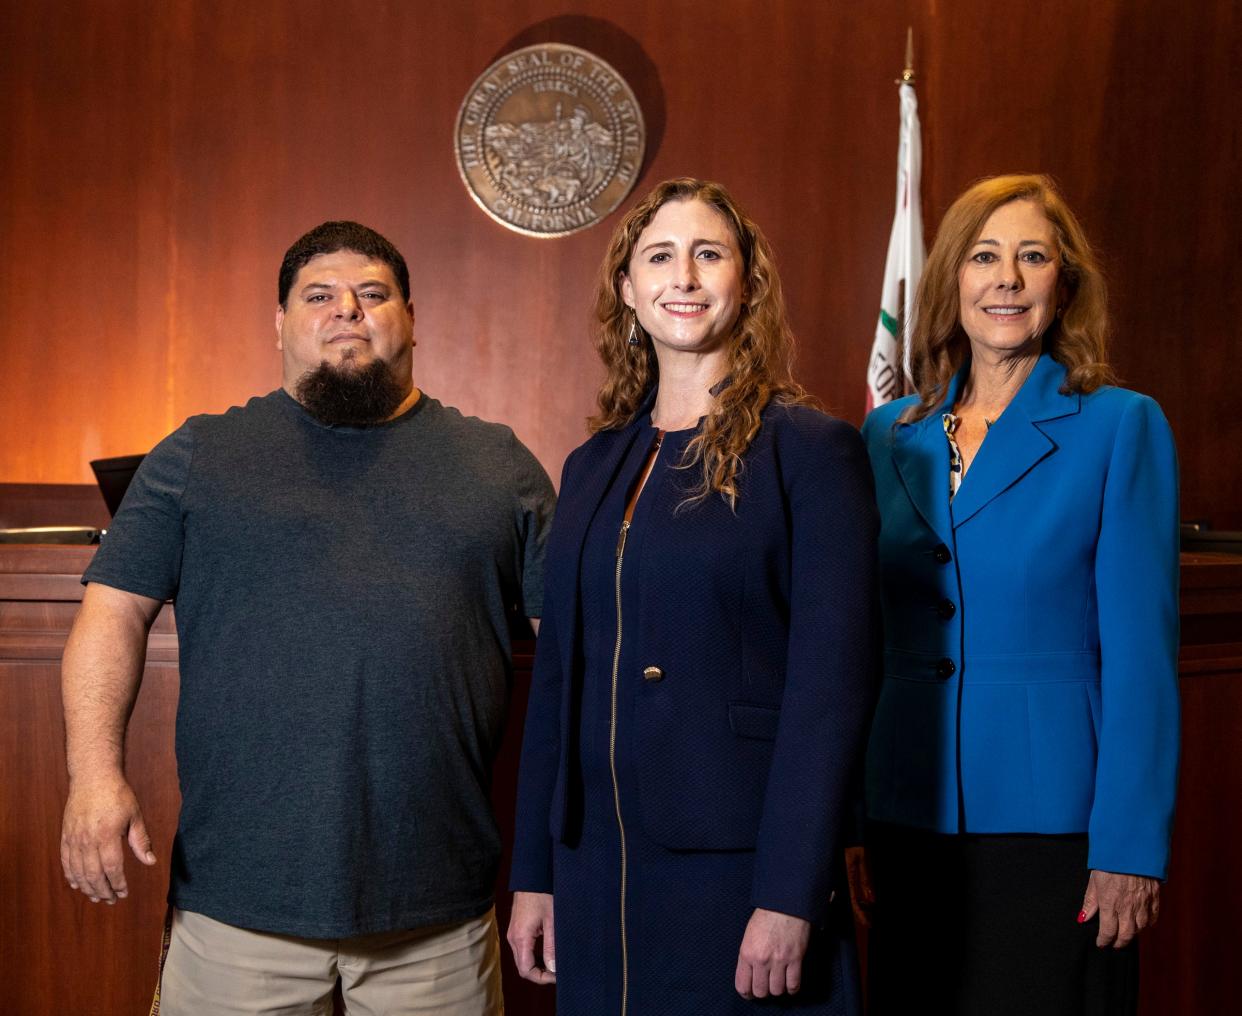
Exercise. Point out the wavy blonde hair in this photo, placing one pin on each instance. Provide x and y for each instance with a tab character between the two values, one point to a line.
759	352
1078	339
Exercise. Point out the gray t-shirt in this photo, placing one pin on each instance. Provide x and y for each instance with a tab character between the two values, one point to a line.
341	602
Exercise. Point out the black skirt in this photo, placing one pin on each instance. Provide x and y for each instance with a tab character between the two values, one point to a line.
976	925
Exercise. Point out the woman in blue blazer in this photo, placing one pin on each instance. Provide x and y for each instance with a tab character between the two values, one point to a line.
1022	764
703	673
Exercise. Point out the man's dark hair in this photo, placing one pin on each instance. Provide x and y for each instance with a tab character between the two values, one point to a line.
328	238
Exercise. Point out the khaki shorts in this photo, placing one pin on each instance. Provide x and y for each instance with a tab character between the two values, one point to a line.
215	969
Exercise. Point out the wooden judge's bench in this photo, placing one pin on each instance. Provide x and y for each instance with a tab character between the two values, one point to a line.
62	954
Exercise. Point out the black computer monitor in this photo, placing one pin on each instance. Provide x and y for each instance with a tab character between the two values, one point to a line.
113	476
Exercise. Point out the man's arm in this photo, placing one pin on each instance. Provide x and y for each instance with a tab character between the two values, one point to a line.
100	674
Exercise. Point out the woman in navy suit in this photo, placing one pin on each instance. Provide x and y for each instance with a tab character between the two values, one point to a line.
1023	760
703	672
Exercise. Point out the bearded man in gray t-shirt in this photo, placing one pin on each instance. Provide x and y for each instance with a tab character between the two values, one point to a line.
343	554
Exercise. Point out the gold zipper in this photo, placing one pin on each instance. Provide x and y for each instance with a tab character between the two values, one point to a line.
612	764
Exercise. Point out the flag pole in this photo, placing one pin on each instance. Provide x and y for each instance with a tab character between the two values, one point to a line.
888	366
907	78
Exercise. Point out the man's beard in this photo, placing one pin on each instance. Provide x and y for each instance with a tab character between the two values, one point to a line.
347	396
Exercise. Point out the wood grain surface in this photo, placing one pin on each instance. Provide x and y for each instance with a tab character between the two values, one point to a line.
63	954
160	156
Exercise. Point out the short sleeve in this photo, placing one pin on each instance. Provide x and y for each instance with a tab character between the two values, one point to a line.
141	551
536	504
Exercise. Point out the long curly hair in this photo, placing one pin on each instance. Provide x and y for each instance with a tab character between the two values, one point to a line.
759	352
1078	339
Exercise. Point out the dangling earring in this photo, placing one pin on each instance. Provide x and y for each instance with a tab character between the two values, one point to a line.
633	339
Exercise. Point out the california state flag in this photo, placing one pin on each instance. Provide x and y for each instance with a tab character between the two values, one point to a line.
885	375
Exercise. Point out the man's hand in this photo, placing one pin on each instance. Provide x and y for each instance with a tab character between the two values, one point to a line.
770	960
1126	904
530	920
100	816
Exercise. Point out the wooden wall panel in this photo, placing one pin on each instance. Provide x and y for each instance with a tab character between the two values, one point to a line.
159	157
62	954
52	504
101	945
1189	959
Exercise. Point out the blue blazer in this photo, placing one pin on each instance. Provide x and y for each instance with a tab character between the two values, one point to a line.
1031	624
762	622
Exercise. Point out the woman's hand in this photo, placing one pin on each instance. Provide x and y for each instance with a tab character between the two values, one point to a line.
862	896
530	920
770	960
1126	904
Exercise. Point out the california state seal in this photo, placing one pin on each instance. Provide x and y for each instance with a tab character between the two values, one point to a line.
549	140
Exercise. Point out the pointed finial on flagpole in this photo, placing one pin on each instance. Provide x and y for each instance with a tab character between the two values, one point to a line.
907	76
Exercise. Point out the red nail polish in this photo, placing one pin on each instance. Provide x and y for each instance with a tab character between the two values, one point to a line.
1082	916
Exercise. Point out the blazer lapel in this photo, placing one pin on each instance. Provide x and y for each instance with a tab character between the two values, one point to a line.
921	454
584	502
1015	443
576	509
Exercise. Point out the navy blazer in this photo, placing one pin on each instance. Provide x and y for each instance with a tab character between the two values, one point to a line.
1031	624
762	622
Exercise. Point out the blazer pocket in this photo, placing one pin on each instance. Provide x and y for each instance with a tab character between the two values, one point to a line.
759	722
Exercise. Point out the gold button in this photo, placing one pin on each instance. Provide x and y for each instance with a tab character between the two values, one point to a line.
653	674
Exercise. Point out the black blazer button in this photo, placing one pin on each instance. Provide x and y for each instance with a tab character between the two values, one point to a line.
653	674
946	609
946	668
941	554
